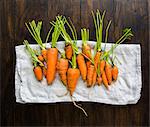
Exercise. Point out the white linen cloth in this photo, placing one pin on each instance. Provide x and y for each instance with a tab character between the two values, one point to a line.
126	90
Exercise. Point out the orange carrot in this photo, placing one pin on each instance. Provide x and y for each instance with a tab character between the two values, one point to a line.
82	66
96	60
86	49
99	80
102	66
62	67
105	81
115	72
88	63
44	53
69	51
73	75
52	55
44	70
108	71
40	57
38	73
90	75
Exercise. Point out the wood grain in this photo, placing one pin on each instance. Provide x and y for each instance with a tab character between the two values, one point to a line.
123	13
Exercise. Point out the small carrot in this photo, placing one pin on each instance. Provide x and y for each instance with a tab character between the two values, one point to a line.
96	60
88	63
44	70
90	73
40	57
62	67
37	69
108	71
102	66
115	72
105	81
99	80
68	51
38	73
44	53
82	66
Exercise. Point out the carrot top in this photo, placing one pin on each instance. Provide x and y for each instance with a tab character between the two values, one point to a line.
85	35
32	53
98	21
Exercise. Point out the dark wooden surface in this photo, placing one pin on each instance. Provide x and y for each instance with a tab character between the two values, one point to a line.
124	13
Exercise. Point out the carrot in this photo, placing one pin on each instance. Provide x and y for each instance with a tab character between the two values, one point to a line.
115	72
52	55
82	66
96	60
105	81
44	53
99	80
38	73
102	66
108	71
44	70
88	63
73	75
68	50
62	67
86	49
40	57
90	75
36	62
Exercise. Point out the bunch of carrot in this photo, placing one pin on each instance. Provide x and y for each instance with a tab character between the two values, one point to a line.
94	68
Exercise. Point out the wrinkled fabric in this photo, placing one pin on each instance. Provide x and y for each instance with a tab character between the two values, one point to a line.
126	90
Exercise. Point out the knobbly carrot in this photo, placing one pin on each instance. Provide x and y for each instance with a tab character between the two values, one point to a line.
115	72
73	75
82	66
36	62
108	71
68	51
38	73
44	53
62	67
99	80
105	81
90	75
96	60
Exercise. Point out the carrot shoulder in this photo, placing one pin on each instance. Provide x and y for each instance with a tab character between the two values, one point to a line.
69	51
73	75
52	55
82	66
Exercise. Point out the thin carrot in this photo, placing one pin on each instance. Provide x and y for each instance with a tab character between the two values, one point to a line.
108	71
44	53
99	80
115	72
96	60
82	66
102	66
90	75
88	63
44	70
40	57
105	81
62	67
68	51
